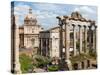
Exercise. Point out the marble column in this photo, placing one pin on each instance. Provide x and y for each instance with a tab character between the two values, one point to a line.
85	39
41	45
90	64
74	40
67	41
90	34
85	64
79	65
61	41
80	35
46	46
50	47
60	35
94	38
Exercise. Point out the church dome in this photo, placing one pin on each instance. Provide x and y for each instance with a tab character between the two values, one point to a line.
30	18
30	15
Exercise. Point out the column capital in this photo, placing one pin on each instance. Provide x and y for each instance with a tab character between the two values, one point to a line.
60	18
73	25
92	22
89	27
79	25
84	26
95	27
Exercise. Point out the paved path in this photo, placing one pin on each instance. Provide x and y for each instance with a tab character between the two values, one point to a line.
39	70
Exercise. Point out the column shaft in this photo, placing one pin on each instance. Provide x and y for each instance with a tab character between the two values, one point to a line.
80	65
94	39
90	47
74	40
46	46
41	46
50	47
67	41
80	35
85	64
85	39
61	41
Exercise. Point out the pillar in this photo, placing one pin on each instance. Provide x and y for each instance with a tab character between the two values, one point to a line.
67	41
60	35
74	40
79	65
94	38
41	45
85	39
90	34
50	47
80	35
61	40
15	65
85	64
46	46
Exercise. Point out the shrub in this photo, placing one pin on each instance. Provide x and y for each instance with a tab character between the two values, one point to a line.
53	68
26	63
41	61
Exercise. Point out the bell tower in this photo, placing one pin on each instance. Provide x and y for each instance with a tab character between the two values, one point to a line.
30	10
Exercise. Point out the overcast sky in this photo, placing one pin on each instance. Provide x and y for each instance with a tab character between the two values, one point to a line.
46	12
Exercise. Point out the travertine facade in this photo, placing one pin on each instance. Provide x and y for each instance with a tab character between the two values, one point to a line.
50	42
29	32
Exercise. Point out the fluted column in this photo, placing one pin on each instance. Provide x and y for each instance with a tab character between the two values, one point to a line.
80	35
85	39
74	40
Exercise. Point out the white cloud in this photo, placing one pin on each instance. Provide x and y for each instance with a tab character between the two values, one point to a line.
86	11
45	14
21	10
